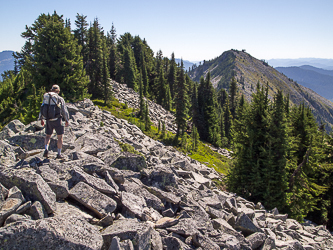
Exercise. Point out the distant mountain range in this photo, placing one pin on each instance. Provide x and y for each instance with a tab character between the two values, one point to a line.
249	70
6	61
319	80
315	62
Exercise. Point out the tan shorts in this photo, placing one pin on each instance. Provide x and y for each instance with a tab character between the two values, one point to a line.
50	125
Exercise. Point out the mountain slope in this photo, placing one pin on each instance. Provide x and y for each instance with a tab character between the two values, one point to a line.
319	80
249	70
6	61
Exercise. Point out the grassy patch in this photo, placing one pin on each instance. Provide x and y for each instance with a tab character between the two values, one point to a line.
204	154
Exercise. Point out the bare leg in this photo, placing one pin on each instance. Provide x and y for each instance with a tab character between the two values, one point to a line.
59	142
47	140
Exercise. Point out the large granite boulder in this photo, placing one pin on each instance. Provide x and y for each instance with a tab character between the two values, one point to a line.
140	233
51	233
31	184
94	200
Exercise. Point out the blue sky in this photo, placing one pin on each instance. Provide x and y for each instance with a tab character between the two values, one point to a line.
193	30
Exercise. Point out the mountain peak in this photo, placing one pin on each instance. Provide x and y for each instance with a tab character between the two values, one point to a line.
248	71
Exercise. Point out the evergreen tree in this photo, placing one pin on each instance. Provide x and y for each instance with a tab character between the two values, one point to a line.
56	58
172	76
195	139
129	72
145	79
142	101
207	121
81	34
147	119
107	93
227	120
181	102
233	92
95	59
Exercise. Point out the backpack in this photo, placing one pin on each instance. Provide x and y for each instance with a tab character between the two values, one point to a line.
50	108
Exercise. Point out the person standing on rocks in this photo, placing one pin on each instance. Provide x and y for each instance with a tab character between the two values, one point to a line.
53	109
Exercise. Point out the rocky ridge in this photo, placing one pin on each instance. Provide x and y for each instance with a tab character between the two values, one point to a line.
100	197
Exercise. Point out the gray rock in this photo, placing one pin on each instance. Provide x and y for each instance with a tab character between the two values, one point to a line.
97	183
256	240
109	180
185	227
139	233
14	192
134	205
8	207
7	153
269	244
31	184
171	243
16	217
200	240
6	133
37	211
136	187
129	161
166	222
60	188
124	245
35	142
225	228
3	193
167	196
244	224
106	221
162	175
51	233
91	143
226	241
168	213
24	207
16	126
94	200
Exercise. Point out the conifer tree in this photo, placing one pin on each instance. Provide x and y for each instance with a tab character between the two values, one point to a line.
147	119
145	80
107	93
95	59
129	72
56	58
81	34
195	139
233	92
181	102
172	76
142	101
207	122
227	120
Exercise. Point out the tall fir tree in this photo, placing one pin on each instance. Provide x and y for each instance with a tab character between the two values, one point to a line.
181	102
81	34
56	59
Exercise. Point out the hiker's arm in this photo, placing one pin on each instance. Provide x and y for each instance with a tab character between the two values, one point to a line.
64	111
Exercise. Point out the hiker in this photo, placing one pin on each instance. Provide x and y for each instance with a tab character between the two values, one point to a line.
53	109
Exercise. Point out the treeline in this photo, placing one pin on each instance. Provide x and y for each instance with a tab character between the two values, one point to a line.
82	61
282	157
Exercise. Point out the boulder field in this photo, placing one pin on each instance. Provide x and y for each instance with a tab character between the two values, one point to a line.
100	197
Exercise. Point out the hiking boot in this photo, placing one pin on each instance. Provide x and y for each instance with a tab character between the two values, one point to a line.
59	156
46	153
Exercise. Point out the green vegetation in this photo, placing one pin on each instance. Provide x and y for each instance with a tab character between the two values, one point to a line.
282	157
201	152
125	147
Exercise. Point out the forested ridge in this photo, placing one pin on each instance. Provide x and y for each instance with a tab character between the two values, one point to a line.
282	158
